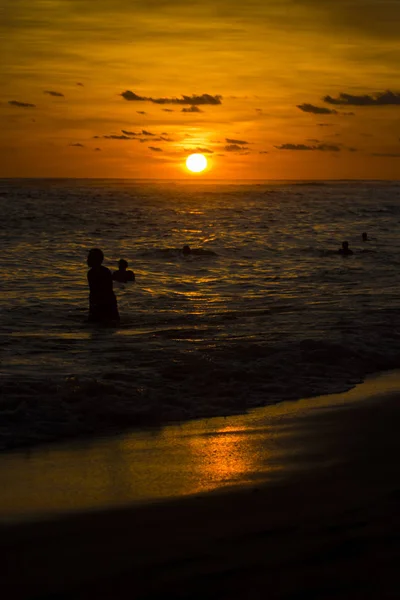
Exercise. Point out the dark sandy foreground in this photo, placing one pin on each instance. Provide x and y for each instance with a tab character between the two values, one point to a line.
330	531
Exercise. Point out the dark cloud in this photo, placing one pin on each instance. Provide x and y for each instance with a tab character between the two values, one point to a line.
387	98
201	150
136	133
234	148
325	124
193	100
77	145
55	94
232	141
21	104
192	109
314	141
320	147
168	109
155	149
161	138
259	110
263	152
348	114
97	149
80	84
113	137
316	110
141	112
130	133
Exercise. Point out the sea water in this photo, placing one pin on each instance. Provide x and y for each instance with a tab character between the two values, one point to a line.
275	314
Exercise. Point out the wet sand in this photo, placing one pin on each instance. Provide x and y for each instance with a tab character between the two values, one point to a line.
325	525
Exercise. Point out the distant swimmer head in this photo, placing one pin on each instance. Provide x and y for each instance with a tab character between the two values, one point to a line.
345	250
122	264
364	237
186	250
95	257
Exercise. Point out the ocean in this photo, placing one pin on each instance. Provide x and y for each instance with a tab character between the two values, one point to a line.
276	314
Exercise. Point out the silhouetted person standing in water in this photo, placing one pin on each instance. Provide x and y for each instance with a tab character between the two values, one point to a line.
103	306
122	275
345	250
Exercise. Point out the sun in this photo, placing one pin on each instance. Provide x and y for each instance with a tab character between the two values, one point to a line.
196	163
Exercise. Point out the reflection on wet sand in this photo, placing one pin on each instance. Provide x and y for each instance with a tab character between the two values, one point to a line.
199	456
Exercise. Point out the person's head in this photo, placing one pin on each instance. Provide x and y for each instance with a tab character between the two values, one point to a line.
345	245
186	250
95	257
364	236
122	265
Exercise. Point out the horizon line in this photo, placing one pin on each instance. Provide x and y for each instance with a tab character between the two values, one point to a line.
194	180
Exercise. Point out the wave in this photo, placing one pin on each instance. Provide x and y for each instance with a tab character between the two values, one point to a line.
225	379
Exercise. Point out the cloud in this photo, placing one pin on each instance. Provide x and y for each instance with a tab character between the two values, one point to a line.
155	149
168	109
199	149
320	147
316	110
77	145
380	99
263	152
141	112
231	141
161	138
325	124
193	100
55	94
113	137
97	149
21	104
192	109
80	84
136	133
234	148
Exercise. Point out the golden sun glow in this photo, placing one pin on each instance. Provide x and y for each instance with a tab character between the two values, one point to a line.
196	163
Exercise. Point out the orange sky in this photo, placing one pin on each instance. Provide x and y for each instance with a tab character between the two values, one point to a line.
268	89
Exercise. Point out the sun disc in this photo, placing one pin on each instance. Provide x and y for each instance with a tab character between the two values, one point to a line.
196	163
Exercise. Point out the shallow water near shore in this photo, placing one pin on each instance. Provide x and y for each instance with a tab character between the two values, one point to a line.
200	456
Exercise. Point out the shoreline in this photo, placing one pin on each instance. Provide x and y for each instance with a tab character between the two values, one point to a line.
329	528
185	459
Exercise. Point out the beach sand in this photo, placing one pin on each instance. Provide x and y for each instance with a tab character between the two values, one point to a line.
328	528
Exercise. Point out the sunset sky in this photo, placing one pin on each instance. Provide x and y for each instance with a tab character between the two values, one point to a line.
266	89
